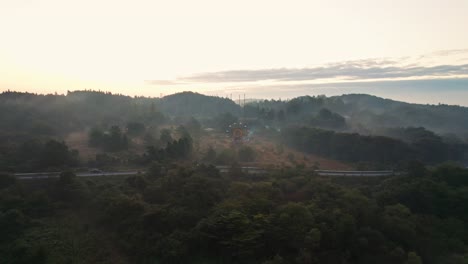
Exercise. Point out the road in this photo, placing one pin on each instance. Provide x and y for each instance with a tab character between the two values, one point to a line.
356	173
257	170
222	169
45	175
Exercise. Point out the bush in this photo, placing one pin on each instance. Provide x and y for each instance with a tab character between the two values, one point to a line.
246	154
6	180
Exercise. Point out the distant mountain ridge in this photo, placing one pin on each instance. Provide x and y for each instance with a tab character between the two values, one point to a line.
376	111
360	110
198	105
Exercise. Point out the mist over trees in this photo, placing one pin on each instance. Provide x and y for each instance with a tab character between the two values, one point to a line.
111	140
378	149
366	113
189	198
194	104
112	122
60	114
183	214
37	155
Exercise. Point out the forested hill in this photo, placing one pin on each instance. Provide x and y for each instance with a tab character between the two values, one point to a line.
195	104
357	112
58	114
364	113
375	111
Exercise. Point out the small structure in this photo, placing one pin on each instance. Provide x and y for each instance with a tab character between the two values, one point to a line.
238	132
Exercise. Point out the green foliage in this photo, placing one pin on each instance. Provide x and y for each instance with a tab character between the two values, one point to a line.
413	258
246	154
12	222
194	127
194	104
58	114
155	170
69	189
6	180
56	154
137	182
327	119
67	177
34	155
112	140
222	121
374	149
135	128
275	260
194	214
226	157
165	136
210	155
183	214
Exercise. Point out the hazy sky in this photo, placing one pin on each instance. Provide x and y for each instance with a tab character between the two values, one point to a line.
261	48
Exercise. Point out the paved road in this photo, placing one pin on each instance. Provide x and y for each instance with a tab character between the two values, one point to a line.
257	170
222	169
45	175
355	173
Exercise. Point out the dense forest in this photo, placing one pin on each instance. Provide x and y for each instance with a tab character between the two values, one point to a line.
350	127
363	113
190	199
58	114
428	147
194	214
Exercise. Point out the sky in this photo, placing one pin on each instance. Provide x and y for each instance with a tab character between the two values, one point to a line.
410	50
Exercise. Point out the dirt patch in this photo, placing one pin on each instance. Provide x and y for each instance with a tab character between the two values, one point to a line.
79	141
270	154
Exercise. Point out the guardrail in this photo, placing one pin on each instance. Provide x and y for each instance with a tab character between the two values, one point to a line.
46	175
355	173
258	170
222	169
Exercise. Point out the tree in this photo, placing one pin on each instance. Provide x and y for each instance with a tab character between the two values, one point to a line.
6	180
155	171
291	224
327	119
67	177
135	128
275	260
95	137
12	222
223	121
165	136
210	155
57	154
115	139
137	181
281	116
194	127
413	258
246	154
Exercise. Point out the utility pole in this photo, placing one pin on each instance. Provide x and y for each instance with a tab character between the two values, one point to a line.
243	108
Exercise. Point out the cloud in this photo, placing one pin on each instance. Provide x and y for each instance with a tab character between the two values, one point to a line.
348	70
366	69
443	85
450	52
162	82
447	90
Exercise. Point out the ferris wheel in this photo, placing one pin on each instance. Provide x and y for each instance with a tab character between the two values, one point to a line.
238	132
